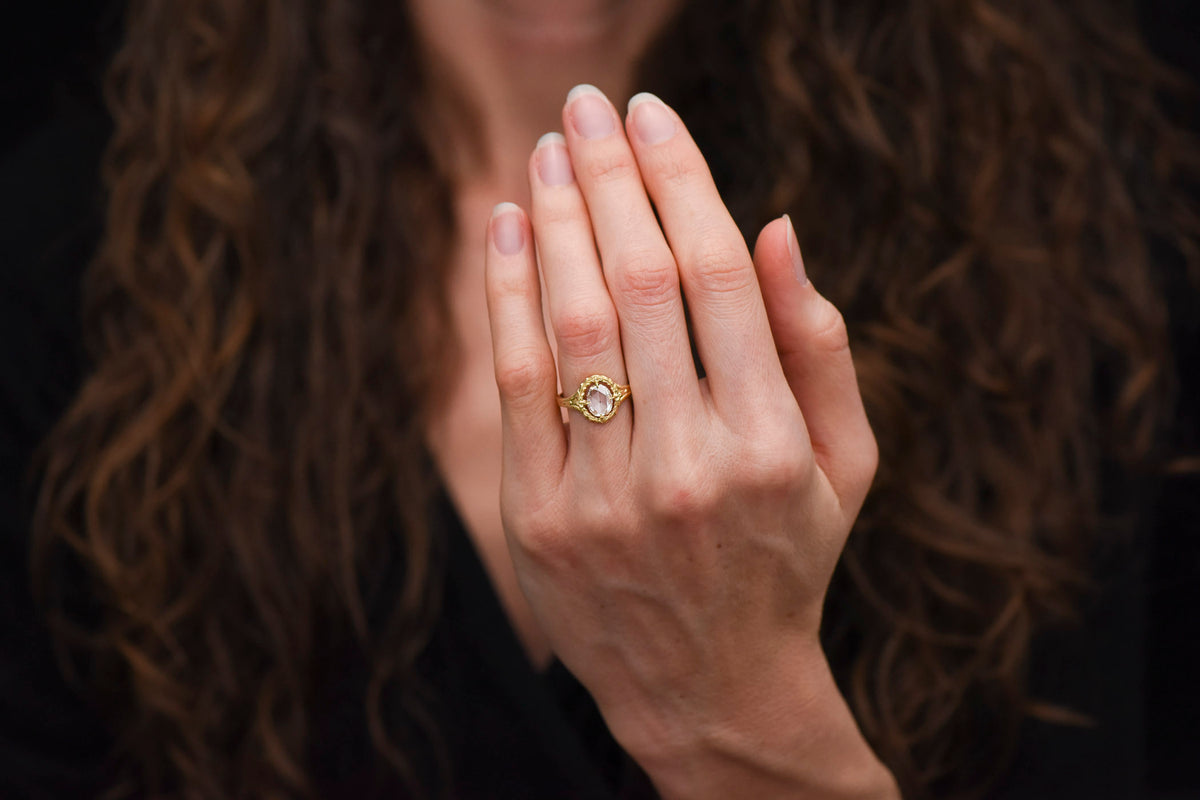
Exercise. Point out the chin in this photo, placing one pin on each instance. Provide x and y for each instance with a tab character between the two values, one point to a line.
572	21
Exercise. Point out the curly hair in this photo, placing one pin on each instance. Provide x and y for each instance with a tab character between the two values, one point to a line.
975	184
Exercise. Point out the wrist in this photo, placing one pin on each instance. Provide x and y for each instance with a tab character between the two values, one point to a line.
786	733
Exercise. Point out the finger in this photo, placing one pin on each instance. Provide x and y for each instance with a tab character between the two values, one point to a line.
639	269
730	323
814	349
581	311
534	440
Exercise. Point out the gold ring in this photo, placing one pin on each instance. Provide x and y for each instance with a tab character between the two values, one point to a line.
597	398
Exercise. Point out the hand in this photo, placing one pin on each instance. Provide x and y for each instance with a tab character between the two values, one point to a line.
677	556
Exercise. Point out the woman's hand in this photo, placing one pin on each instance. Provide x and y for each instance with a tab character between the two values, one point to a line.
678	555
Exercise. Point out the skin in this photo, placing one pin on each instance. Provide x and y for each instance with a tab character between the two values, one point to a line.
512	61
675	558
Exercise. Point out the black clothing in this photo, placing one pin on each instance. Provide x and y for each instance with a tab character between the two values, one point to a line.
510	732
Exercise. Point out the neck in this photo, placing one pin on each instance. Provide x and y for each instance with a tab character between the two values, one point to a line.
501	70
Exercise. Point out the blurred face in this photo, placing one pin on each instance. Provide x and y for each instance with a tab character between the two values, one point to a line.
551	23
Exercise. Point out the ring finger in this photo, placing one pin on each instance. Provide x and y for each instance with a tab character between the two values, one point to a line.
582	314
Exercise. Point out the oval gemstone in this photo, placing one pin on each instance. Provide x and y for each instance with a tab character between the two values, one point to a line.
599	400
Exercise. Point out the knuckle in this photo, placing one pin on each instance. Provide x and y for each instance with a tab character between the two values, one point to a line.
557	213
560	536
865	465
585	329
594	516
829	330
523	373
871	459
541	540
679	495
509	284
645	278
719	267
773	464
535	522
680	172
603	168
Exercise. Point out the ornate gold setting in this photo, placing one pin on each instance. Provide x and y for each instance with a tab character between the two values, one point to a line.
579	400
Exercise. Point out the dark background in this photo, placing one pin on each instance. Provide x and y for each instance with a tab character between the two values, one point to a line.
51	60
56	48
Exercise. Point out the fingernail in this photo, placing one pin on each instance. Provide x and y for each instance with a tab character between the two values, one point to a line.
553	163
590	112
651	119
507	231
794	249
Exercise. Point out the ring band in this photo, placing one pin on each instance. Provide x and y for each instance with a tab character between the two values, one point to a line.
597	398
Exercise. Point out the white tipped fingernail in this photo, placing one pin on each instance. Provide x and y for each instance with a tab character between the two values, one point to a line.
651	119
580	90
553	162
508	234
590	112
794	250
643	97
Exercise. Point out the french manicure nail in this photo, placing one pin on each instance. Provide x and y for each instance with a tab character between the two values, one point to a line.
651	119
590	112
794	250
553	163
507	231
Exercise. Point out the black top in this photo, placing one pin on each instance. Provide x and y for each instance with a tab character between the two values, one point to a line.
510	732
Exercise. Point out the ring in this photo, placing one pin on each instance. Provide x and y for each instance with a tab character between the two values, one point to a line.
597	398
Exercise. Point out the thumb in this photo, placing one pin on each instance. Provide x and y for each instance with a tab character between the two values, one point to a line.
814	350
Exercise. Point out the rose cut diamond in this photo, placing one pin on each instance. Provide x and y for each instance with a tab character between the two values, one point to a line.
599	400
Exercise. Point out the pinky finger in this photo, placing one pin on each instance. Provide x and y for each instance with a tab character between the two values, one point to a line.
534	440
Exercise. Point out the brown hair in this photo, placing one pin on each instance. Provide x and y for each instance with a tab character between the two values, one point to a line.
974	185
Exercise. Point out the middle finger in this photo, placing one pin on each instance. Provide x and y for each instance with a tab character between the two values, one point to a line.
733	334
